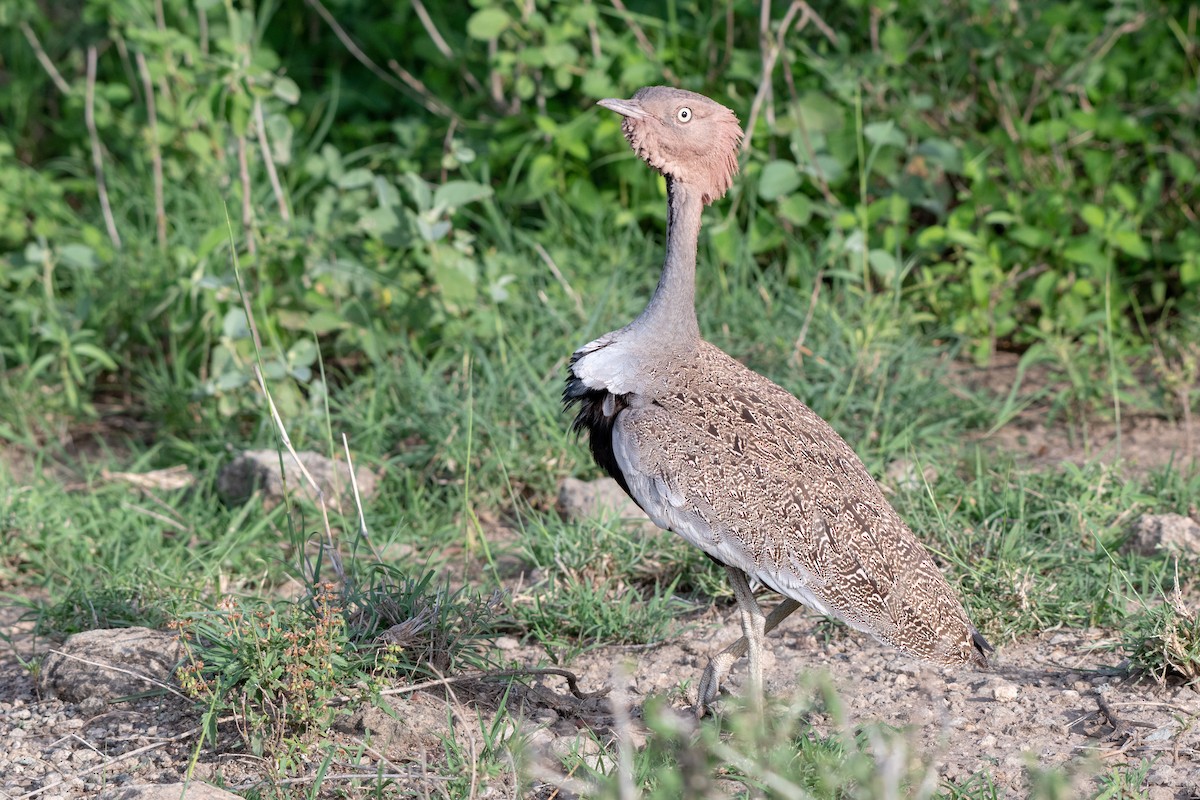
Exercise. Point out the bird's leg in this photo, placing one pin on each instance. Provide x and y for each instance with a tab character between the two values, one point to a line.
753	629
719	665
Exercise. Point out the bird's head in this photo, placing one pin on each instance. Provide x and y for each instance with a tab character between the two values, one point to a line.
683	135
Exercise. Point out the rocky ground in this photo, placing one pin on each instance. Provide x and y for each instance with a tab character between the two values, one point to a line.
98	722
1049	701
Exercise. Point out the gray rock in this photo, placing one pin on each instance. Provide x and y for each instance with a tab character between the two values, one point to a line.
1152	534
97	666
258	470
598	499
902	474
406	727
169	791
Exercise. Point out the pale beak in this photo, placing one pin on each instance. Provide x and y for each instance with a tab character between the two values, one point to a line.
626	108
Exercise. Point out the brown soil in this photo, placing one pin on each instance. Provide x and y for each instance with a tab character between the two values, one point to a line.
1045	433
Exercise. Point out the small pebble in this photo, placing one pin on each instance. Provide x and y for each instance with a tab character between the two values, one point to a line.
1005	692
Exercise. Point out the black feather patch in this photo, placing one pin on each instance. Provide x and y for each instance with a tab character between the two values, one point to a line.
591	418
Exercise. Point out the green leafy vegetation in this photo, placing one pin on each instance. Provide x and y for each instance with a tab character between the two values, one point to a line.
430	216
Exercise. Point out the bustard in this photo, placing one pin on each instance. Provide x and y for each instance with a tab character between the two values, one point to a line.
735	464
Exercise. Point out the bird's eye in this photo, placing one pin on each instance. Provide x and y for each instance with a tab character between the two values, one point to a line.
684	114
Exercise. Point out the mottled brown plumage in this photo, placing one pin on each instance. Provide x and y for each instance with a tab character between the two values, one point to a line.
734	463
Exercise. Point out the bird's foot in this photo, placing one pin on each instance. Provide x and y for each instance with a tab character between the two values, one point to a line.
710	682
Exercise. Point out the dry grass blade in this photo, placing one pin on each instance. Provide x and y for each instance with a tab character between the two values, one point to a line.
643	42
571	678
771	51
166	480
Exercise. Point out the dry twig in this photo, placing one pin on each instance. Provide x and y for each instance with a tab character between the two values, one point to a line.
247	206
771	51
43	59
571	678
113	668
160	211
427	98
123	757
440	43
89	120
265	146
643	42
562	281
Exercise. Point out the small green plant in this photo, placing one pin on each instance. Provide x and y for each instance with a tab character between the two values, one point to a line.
1125	781
281	668
800	748
1164	642
123	603
604	583
287	670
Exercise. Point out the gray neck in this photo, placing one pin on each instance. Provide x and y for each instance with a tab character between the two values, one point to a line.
670	316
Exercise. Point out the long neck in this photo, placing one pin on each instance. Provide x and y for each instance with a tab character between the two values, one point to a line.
670	316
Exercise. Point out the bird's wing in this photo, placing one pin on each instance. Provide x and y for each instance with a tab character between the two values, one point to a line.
748	473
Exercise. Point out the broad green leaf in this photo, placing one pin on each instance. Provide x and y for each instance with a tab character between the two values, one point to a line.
1189	270
286	90
453	194
1182	167
419	190
778	178
231	380
941	152
884	265
487	23
280	133
884	133
303	353
1000	218
1088	252
354	179
828	167
1030	236
933	236
234	324
95	354
895	40
457	281
325	321
378	222
796	208
560	54
1093	215
820	113
78	255
1124	196
1130	242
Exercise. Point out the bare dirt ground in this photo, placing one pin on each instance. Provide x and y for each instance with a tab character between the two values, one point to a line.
1049	701
1045	436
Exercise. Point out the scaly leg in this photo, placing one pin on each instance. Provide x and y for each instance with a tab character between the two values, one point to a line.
753	633
719	665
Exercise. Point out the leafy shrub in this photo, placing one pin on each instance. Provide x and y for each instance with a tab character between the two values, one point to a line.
1028	173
